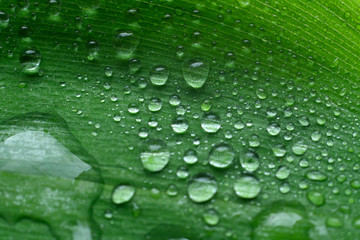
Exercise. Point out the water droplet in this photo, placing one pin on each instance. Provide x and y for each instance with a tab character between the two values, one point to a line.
273	129
125	43
195	72
206	105
24	31
281	221
155	156
155	104
133	108
316	176
247	187
159	75
250	161
172	190
254	141
23	4
202	188
299	148
190	156
221	155
211	123
279	150
93	47
54	7
179	125
211	217
4	19
30	60
284	188
122	194
182	173
174	100
283	173
334	222
134	65
315	136
108	72
239	125
316	198
304	121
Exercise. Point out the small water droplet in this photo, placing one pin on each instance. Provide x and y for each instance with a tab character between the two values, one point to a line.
172	190
190	156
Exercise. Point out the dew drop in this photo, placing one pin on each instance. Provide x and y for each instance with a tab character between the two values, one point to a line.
273	129
316	198
211	217
282	173
125	43
190	156
195	72
30	60
155	104
299	148
122	194
247	187
316	176
179	125
211	123
250	161
159	75
221	156
155	156
202	188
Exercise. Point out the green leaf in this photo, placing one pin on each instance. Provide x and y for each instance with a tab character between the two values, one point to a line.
164	119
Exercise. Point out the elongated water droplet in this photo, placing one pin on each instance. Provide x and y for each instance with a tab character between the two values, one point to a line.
125	43
195	72
30	60
316	176
122	194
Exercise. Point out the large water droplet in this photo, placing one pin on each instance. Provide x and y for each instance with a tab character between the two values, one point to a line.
190	156
247	187
125	43
155	104
202	188
281	221
221	155
211	123
195	72
282	173
30	60
155	156
122	194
